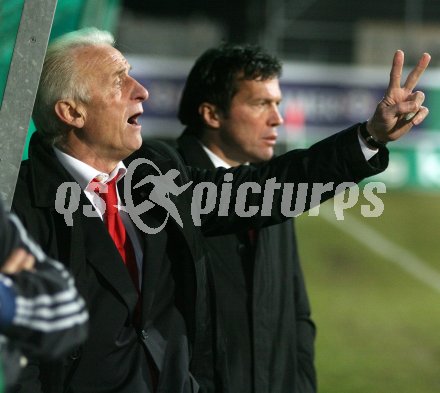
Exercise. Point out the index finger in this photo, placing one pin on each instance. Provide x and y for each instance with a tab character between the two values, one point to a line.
416	73
396	70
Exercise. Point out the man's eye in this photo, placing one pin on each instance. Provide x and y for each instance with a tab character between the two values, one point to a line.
119	82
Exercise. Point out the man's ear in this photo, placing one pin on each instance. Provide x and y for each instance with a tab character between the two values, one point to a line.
209	114
70	113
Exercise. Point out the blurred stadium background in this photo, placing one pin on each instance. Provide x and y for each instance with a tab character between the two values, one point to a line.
373	282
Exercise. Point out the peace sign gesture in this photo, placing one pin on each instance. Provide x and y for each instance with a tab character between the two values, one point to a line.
401	108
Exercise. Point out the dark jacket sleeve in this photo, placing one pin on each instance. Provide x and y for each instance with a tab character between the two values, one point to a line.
49	315
335	160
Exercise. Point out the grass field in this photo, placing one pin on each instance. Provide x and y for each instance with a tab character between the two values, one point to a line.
378	324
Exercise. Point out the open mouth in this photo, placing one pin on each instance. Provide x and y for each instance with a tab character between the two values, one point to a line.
133	120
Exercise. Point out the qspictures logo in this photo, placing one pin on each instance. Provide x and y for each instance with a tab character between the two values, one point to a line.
295	199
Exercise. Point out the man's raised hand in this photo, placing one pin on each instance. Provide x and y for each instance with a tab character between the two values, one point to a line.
401	108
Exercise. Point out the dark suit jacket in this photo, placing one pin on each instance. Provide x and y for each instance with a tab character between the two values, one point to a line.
264	333
174	294
117	357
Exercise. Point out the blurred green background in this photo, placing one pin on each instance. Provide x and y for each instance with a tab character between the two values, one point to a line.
378	325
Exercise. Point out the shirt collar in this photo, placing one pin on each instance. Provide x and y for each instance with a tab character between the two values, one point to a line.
216	160
84	173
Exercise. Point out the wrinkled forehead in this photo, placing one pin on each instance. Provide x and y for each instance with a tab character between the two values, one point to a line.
101	58
259	85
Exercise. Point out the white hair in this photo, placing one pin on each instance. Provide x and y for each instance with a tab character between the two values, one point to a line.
60	78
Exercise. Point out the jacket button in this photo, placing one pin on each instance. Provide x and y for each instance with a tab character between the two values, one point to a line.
144	335
241	249
23	361
75	354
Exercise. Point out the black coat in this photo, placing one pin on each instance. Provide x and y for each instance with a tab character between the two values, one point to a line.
175	293
264	333
117	355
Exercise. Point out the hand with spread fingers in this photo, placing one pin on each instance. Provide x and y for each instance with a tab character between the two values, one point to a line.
401	108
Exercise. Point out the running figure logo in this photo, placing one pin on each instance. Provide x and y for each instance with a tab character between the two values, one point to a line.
163	186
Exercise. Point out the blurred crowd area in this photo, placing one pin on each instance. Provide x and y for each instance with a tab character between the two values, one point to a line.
336	56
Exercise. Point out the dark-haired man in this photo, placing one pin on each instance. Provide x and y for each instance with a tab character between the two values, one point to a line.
265	336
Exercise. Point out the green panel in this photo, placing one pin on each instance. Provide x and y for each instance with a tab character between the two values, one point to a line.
432	101
102	14
74	14
67	16
416	166
31	130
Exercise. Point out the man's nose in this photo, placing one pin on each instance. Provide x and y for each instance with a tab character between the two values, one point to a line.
140	92
276	119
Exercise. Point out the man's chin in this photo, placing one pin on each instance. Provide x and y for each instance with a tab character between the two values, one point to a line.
137	142
266	156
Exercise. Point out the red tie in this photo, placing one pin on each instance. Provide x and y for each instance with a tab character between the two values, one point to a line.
252	236
117	230
119	235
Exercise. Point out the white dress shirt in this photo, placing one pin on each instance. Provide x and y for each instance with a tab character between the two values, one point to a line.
84	175
215	159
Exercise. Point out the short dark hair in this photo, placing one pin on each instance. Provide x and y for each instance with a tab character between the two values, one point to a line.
215	74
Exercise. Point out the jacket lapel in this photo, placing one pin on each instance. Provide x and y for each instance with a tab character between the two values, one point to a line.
157	215
155	250
192	152
153	256
103	255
